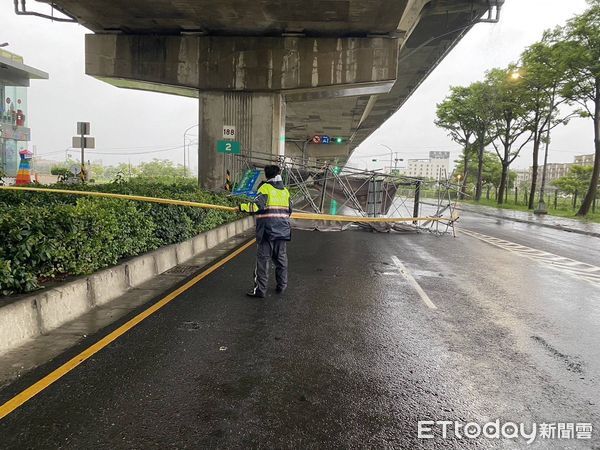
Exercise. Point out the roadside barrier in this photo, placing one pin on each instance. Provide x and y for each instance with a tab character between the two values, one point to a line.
167	201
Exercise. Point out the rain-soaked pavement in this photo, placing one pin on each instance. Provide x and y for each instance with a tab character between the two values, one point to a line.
351	355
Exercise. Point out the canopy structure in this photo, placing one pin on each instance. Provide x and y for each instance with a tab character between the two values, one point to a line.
14	73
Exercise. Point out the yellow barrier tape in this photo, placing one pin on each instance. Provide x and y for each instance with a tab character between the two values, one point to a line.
141	198
168	201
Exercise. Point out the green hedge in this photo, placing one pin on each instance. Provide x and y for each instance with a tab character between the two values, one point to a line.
46	236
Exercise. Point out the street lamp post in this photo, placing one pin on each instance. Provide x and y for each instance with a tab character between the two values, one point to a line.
391	154
184	149
542	208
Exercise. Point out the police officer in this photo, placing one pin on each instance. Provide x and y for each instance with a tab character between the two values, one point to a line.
272	210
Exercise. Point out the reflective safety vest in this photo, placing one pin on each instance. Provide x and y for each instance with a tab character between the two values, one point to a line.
272	210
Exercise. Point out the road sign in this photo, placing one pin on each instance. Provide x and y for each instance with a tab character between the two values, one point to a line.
325	139
88	142
316	139
83	128
231	147
248	184
229	132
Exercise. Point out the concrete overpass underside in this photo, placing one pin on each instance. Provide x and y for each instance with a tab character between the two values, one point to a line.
279	70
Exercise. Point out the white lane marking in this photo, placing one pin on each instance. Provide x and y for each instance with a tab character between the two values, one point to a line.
413	283
577	269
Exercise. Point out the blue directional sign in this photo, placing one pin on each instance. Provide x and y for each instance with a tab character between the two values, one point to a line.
248	184
325	139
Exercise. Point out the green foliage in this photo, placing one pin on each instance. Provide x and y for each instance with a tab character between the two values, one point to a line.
577	180
48	236
517	105
161	169
511	116
455	115
492	169
579	43
110	173
60	171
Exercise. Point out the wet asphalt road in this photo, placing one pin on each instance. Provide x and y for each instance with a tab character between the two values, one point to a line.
349	356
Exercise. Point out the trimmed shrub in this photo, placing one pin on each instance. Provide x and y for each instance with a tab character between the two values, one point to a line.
45	236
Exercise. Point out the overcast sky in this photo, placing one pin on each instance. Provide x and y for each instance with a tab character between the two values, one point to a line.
130	124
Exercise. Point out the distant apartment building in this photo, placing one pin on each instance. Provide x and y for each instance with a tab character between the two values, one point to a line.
555	171
523	176
434	167
585	160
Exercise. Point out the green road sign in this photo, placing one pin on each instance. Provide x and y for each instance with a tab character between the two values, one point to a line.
231	147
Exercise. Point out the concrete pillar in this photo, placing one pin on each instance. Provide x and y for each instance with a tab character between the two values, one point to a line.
259	119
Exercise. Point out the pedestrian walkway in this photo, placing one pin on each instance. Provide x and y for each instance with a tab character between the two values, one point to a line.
558	223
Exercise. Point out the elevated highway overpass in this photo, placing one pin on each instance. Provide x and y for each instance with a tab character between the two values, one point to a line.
280	71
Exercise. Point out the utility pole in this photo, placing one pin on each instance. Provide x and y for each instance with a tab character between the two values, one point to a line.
542	209
391	155
82	173
83	140
185	159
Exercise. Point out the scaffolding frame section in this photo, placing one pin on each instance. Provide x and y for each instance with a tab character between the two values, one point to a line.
316	183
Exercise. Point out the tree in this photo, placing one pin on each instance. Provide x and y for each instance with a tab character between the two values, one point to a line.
579	43
543	75
63	170
96	171
127	170
491	171
511	120
480	99
467	115
577	180
455	116
161	170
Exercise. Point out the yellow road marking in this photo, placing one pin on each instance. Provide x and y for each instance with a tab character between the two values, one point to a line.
42	384
168	201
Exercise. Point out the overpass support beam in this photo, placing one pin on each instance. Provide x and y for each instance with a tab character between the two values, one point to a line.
244	81
299	67
259	119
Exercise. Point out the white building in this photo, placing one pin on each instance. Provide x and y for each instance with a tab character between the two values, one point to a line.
436	166
523	176
554	171
585	160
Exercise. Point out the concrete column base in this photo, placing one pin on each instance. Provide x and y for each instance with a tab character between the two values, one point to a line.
259	119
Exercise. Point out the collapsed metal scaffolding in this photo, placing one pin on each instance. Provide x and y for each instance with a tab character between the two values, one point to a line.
324	187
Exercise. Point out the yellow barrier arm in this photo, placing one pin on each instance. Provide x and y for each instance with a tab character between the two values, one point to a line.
167	201
141	198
